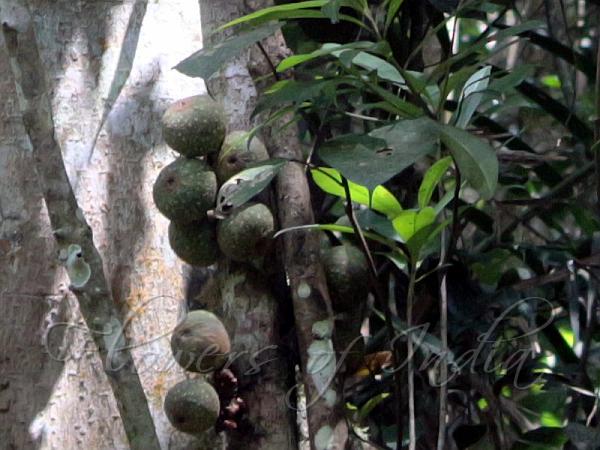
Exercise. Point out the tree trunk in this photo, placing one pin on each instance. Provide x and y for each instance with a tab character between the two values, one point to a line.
300	251
242	296
108	66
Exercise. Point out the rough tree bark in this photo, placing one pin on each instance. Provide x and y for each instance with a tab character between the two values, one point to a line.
242	296
312	308
74	235
108	66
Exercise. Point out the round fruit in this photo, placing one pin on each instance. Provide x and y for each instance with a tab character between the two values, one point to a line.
194	126
237	153
185	190
194	242
200	343
245	234
192	406
347	275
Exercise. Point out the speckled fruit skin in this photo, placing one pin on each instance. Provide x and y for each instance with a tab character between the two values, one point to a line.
236	154
185	190
194	126
195	242
192	406
347	276
245	234
200	343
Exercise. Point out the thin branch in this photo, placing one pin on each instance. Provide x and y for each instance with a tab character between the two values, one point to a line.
410	297
556	276
310	296
71	229
379	298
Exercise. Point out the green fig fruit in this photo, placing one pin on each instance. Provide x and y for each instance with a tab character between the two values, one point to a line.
192	406
200	343
347	276
237	153
194	126
185	190
194	242
246	233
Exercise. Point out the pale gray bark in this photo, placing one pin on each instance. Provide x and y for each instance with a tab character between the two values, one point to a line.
85	45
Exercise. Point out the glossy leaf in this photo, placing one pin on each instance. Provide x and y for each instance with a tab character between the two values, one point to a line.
326	49
472	95
299	10
431	179
408	222
209	60
384	69
474	157
382	200
373	159
249	182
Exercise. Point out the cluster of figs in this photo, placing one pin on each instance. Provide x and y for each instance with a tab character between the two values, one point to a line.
185	192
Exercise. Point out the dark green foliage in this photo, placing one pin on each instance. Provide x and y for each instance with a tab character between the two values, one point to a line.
194	126
194	242
185	190
192	406
200	342
246	234
473	185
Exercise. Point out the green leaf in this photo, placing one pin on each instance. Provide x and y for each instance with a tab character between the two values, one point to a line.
294	92
393	9
243	186
373	159
481	44
399	106
472	95
370	405
419	243
370	220
474	157
266	12
331	10
382	200
300	10
408	222
384	69
494	264
512	79
338	228
552	81
326	49
209	60
432	177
